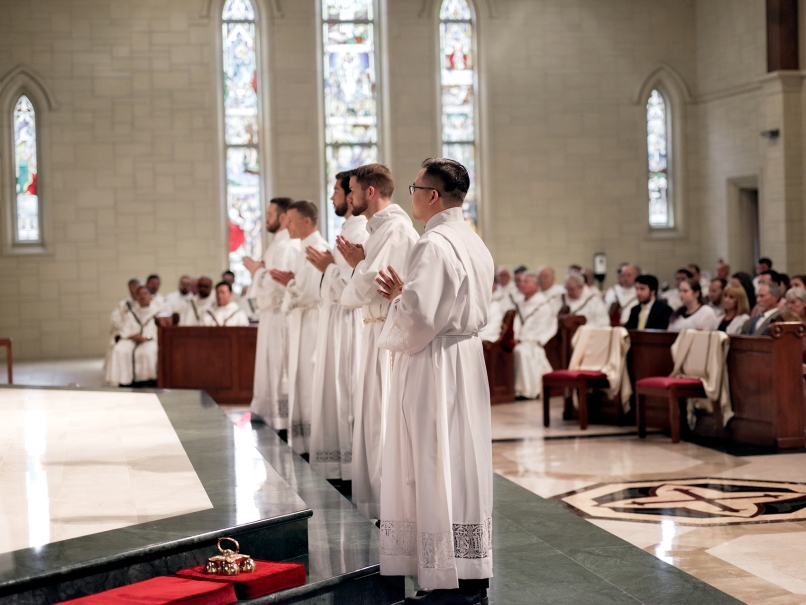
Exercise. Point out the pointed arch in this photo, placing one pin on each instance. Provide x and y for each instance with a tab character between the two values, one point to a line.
430	8
210	8
23	77
667	79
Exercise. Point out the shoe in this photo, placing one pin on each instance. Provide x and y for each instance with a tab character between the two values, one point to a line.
442	596
256	419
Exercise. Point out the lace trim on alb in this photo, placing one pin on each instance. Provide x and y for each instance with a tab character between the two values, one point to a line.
438	550
301	429
333	456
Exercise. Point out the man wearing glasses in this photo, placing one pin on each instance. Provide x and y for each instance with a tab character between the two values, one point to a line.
391	238
437	489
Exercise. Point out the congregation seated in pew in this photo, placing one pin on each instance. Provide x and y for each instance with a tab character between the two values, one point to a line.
579	299
133	357
197	306
651	312
535	326
225	311
693	313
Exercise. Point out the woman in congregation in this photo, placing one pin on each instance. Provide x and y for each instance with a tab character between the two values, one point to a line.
735	310
796	302
693	314
798	281
745	281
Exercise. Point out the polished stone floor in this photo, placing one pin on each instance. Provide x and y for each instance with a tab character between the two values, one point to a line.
75	463
743	531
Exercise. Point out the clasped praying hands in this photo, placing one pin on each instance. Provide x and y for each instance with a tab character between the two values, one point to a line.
352	253
320	259
281	277
391	286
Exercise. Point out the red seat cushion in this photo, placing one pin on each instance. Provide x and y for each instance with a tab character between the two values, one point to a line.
267	578
163	591
573	374
665	382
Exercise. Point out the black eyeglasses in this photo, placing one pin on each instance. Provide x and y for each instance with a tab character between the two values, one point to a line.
413	187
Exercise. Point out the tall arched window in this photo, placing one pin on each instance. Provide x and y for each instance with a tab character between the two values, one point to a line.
657	141
26	202
458	79
350	89
241	128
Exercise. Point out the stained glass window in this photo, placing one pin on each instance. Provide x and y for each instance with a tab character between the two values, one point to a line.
241	127
657	123
350	87
458	81
26	210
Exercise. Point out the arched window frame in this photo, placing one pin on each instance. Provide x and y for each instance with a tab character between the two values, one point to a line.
330	224
477	179
241	275
677	95
19	81
669	155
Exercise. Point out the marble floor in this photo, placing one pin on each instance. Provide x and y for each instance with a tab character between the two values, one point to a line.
75	463
742	531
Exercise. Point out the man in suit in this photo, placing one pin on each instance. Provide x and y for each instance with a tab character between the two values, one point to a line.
651	313
767	299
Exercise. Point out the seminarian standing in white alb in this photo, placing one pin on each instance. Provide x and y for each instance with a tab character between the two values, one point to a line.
302	303
134	356
270	387
226	312
338	349
535	325
391	238
437	489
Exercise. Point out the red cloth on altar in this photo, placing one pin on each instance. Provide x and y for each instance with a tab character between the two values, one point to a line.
267	578
163	591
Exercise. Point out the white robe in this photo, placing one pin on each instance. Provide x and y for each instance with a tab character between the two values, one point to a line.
229	315
161	302
391	238
302	304
177	300
555	297
436	494
626	298
270	387
502	292
591	306
535	325
131	362
338	360
195	309
495	321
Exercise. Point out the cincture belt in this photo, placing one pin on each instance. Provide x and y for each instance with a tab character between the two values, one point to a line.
375	320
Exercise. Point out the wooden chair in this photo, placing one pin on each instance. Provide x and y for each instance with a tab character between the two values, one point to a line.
6	342
500	362
579	380
676	390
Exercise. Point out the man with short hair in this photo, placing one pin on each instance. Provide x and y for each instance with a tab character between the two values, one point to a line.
715	290
620	298
437	489
696	274
579	299
504	285
535	325
722	270
197	306
391	238
301	303
270	387
226	312
764	264
338	348
133	360
672	297
552	291
229	277
651	313
116	317
767	300
153	283
178	299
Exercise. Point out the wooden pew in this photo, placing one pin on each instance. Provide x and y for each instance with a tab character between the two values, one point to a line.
500	362
558	349
766	385
220	361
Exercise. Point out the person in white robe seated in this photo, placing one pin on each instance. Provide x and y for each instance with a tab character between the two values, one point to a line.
693	314
535	325
548	288
437	490
621	298
153	283
197	306
579	299
504	285
672	297
133	359
302	303
226	312
179	298
116	317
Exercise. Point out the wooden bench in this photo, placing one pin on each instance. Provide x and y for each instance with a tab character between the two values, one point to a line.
6	342
766	385
500	362
220	361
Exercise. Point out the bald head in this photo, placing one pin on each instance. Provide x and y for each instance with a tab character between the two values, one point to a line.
545	278
205	286
627	275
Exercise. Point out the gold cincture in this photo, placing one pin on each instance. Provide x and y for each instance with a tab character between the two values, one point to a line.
229	562
375	320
